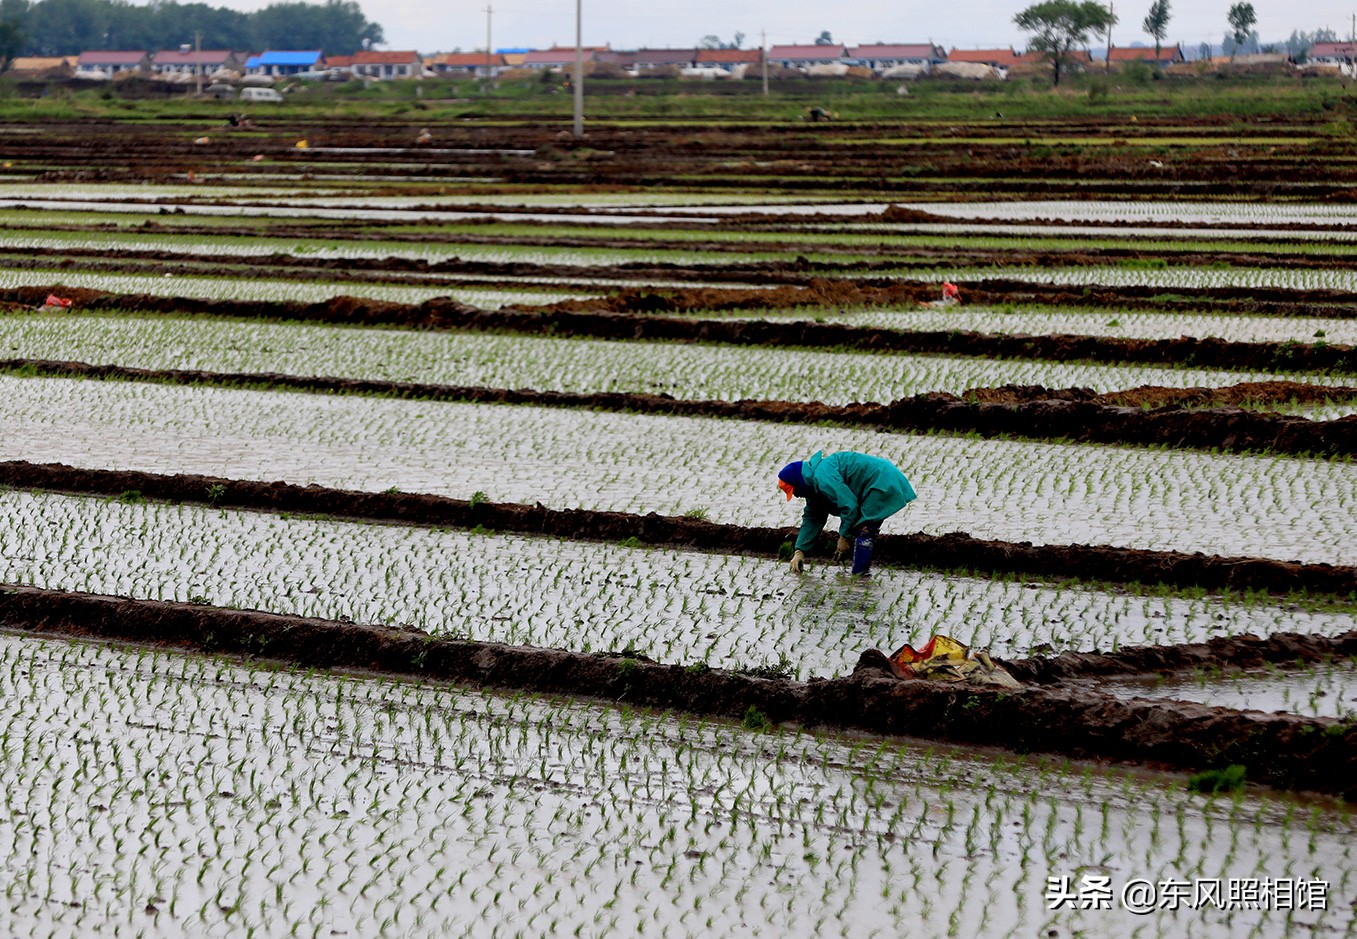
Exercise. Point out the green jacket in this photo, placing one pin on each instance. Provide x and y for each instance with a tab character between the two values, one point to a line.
858	488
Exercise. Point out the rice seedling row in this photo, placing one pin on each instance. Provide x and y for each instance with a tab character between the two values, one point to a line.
1139	324
1326	412
1250	237
186	796
1252	213
694	372
357	213
1278	507
240	246
1169	277
618	244
684	607
260	289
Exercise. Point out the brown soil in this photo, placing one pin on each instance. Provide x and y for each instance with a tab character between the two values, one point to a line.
1022	161
955	551
1256	393
1031	412
1284	751
1239	652
883	259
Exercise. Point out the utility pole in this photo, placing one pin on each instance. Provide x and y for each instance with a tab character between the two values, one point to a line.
198	61
763	55
579	69
489	67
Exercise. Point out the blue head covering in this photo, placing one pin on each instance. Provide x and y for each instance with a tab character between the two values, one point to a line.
791	475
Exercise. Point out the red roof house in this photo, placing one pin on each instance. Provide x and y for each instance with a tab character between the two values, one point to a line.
385	64
170	63
879	56
107	63
1168	55
728	59
801	56
994	58
465	63
559	56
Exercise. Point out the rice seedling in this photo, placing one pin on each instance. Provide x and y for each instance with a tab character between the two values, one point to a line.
573	365
247	288
701	610
1256	505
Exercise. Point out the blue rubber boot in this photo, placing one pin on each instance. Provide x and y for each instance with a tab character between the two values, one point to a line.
863	545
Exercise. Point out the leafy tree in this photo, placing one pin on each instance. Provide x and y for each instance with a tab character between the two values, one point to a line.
713	41
13	14
1057	26
337	26
824	39
64	27
1231	46
1301	42
11	41
1157	23
1241	19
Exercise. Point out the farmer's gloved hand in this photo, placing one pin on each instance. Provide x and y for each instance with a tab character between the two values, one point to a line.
843	548
798	561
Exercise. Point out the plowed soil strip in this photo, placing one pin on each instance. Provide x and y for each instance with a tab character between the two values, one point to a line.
1284	751
1244	652
562	319
1032	413
811	290
633	315
955	551
862	259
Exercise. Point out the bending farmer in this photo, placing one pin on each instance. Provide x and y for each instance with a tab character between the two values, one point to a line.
863	491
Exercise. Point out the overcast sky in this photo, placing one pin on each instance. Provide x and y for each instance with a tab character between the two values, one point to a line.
442	25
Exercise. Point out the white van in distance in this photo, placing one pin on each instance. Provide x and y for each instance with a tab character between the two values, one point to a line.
259	94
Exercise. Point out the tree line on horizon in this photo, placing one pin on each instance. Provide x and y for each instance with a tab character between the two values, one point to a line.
1059	27
69	27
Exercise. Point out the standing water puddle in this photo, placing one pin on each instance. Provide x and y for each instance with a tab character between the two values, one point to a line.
1324	690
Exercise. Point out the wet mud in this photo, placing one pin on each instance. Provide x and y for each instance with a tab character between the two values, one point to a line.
1252	393
1237	652
1289	752
883	260
954	551
527	144
1194	418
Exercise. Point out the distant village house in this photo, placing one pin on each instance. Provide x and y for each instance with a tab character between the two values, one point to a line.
802	57
277	63
387	65
183	63
477	64
1168	55
102	64
881	56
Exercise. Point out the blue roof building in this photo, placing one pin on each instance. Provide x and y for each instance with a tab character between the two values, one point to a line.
280	62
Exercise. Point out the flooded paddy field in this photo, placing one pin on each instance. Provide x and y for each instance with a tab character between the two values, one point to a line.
761	282
455	806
